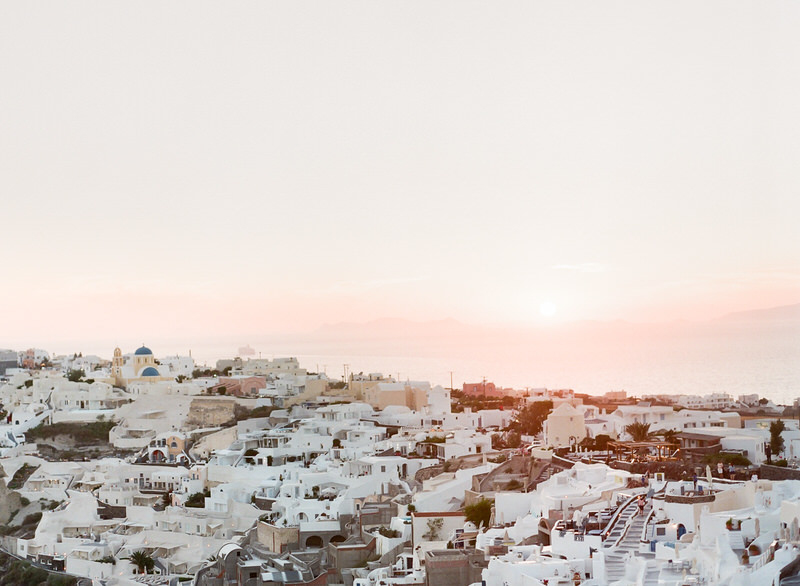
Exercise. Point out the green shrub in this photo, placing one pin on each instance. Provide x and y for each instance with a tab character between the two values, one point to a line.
735	459
263	411
21	476
32	519
391	533
83	434
197	500
60	580
22	572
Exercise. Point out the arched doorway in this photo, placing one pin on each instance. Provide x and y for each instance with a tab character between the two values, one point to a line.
337	539
314	541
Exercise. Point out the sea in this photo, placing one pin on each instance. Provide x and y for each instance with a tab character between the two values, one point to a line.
726	357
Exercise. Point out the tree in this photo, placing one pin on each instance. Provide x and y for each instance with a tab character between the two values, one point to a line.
513	440
497	441
75	375
197	500
735	459
530	418
142	560
639	432
601	442
670	436
776	428
480	513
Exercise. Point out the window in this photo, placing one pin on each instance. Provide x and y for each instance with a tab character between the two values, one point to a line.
661	531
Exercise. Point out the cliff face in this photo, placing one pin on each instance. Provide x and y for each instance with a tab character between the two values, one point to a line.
9	501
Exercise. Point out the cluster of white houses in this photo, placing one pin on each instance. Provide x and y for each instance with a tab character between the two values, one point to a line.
377	483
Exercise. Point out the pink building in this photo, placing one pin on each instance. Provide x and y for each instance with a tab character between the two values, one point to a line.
247	386
482	389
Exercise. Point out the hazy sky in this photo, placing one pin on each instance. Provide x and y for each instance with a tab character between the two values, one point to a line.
243	167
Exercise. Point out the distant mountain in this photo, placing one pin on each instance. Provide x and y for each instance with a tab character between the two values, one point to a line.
782	313
421	331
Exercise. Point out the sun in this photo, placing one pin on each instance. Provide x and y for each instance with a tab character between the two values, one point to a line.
548	309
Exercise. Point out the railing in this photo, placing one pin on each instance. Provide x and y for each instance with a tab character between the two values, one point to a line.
764	558
643	538
625	529
612	521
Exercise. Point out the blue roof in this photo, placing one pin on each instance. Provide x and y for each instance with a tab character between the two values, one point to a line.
150	371
143	351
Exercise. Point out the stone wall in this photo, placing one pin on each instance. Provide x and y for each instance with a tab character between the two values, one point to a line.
428	473
377	514
453	567
515	468
350	555
210	412
768	472
689	500
277	539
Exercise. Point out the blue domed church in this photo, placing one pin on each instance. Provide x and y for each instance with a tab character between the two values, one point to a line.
141	366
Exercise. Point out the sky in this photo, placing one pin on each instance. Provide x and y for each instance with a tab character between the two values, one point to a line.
235	168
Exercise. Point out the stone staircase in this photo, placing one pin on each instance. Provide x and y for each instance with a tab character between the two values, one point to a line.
617	545
653	571
543	475
736	540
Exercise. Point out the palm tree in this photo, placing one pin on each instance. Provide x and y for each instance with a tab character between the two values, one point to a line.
670	436
142	560
639	432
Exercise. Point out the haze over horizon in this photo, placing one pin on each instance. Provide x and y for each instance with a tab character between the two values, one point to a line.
526	164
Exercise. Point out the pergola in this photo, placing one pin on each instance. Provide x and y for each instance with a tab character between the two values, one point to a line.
647	451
